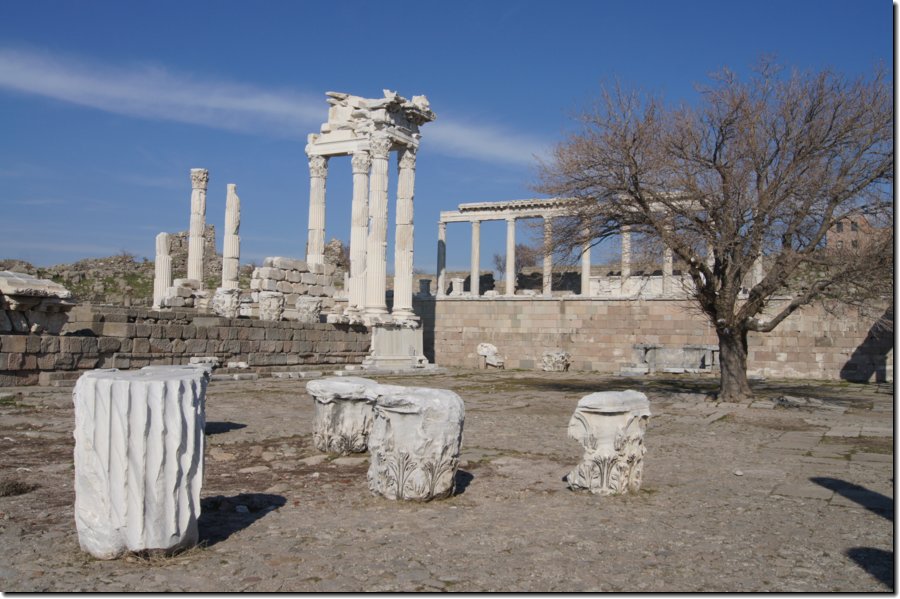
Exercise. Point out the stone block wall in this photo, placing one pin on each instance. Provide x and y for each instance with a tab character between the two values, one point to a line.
134	337
601	336
295	279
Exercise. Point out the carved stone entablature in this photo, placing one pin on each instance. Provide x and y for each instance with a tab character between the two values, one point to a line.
353	120
484	211
199	178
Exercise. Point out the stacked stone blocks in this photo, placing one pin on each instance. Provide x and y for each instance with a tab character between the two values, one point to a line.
296	280
601	335
134	338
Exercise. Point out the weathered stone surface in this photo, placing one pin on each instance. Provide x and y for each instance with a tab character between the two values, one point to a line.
556	360
271	305
139	458
610	425
17	283
490	355
308	309
415	442
344	413
226	302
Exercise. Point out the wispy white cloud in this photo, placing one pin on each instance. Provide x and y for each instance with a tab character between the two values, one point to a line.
488	143
151	91
39	202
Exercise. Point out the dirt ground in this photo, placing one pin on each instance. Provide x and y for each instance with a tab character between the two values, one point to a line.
758	497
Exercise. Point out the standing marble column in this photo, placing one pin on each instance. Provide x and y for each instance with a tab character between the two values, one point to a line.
548	257
586	265
162	276
403	240
626	253
667	272
757	271
315	239
231	250
475	276
511	256
442	260
199	182
359	229
376	243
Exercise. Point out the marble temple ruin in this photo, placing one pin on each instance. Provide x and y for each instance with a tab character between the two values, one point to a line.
367	130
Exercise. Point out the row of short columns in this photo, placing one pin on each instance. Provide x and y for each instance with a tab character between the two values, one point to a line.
368	231
510	274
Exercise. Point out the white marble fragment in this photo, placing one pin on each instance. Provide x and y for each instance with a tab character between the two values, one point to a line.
556	360
343	415
226	302
271	305
231	247
308	308
139	458
491	355
610	426
415	442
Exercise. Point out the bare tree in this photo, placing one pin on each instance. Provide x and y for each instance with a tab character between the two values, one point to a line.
526	256
760	169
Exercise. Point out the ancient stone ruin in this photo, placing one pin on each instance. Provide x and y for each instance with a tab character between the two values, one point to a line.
610	426
139	458
32	305
413	434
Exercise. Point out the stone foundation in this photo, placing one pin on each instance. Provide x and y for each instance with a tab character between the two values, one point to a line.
602	336
133	337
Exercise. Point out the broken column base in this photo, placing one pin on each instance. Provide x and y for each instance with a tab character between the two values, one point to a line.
395	346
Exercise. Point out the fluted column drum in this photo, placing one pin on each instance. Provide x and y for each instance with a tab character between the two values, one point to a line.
139	458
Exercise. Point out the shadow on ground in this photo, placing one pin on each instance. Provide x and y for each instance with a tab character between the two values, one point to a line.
217	428
878	563
221	517
462	481
872	501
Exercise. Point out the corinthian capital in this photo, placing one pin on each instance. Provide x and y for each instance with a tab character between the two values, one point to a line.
199	178
380	146
407	159
318	166
361	162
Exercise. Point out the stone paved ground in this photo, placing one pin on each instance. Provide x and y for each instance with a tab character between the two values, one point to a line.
735	497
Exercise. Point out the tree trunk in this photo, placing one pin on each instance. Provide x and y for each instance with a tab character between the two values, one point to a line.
734	385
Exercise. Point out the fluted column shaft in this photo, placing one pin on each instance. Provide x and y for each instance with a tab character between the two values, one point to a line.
199	182
403	239
162	275
626	253
586	265
376	243
511	256
315	239
475	276
548	257
231	247
442	260
667	271
359	229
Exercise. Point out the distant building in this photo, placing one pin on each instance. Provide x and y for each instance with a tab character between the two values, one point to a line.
849	233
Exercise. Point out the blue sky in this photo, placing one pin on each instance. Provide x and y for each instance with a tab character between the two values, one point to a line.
106	106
